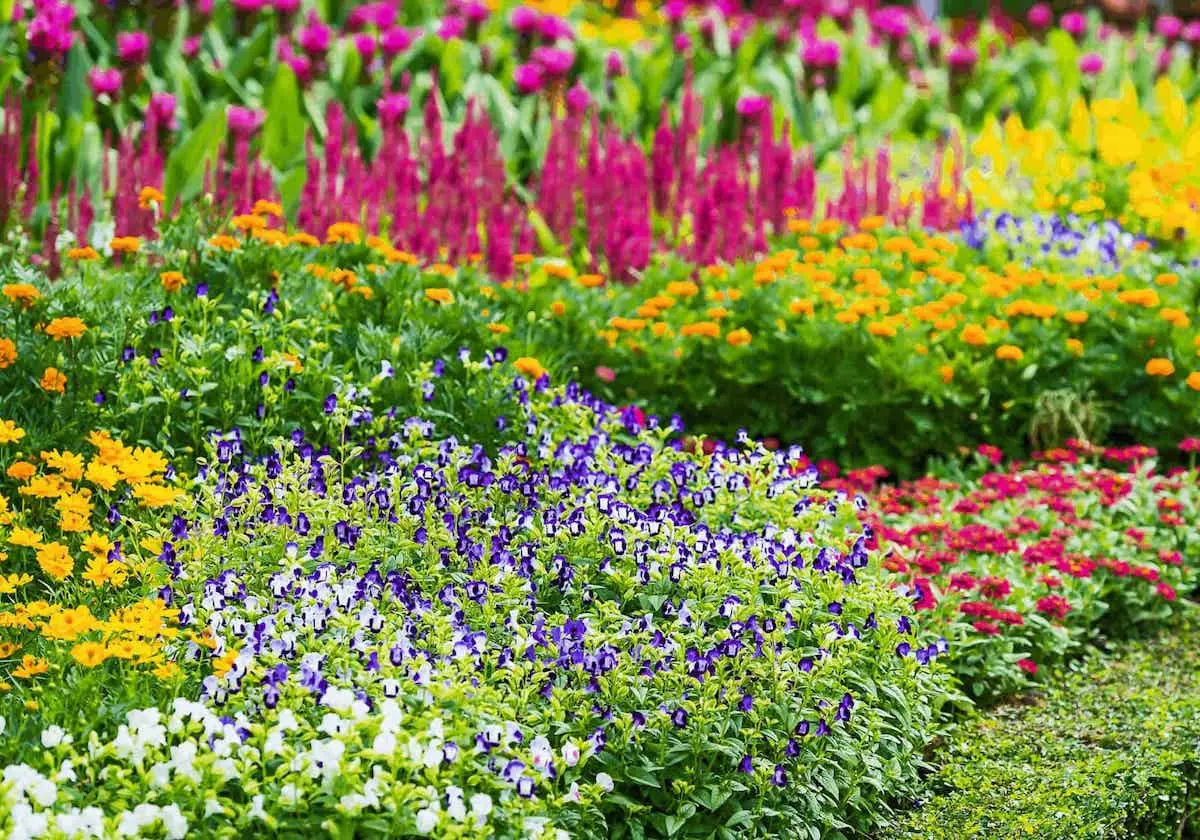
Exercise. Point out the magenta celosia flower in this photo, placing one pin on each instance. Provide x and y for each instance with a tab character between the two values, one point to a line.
614	64
395	41
451	27
1074	24
553	28
528	78
682	43
244	121
49	36
962	59
364	44
106	81
301	66
578	98
393	107
203	8
248	7
674	11
1168	26
475	12
891	22
1091	64
133	48
1191	32
1040	16
162	105
315	38
524	20
821	55
554	62
286	7
752	106
191	46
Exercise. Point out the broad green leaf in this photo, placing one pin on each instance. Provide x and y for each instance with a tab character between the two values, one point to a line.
185	167
283	131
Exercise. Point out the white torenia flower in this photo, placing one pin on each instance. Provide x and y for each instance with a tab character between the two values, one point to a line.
427	820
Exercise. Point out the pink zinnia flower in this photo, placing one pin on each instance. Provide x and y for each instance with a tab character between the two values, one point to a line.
605	374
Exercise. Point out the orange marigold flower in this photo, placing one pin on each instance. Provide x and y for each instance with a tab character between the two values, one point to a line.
305	239
1160	367
1075	316
801	306
557	307
247	222
707	329
148	196
267	208
498	329
530	367
947	373
1009	353
61	328
172	281
53	381
591	281
1193	380
22	293
224	242
1139	297
440	295
973	334
738	337
684	288
125	244
8	352
343	232
85	254
1075	346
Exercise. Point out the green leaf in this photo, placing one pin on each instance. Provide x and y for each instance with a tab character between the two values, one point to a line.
8	69
291	185
283	132
452	68
642	776
256	48
185	167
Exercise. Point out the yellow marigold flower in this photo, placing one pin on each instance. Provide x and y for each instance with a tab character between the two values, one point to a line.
1075	346
55	561
101	571
224	242
343	277
125	244
343	232
155	495
305	239
148	196
172	281
558	307
1160	367
1009	353
974	335
627	324
8	585
871	223
947	373
21	470
61	328
30	667
10	432
1175	317
67	463
8	352
267	208
660	328
738	337
70	624
881	329
684	288
590	281
22	293
84	254
498	329
530	367
439	295
248	222
706	329
1193	380
89	654
1075	316
560	270
847	316
1167	279
53	381
97	545
717	313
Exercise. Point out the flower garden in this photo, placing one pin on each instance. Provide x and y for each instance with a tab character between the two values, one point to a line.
598	420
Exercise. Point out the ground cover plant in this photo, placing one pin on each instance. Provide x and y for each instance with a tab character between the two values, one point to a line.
581	420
